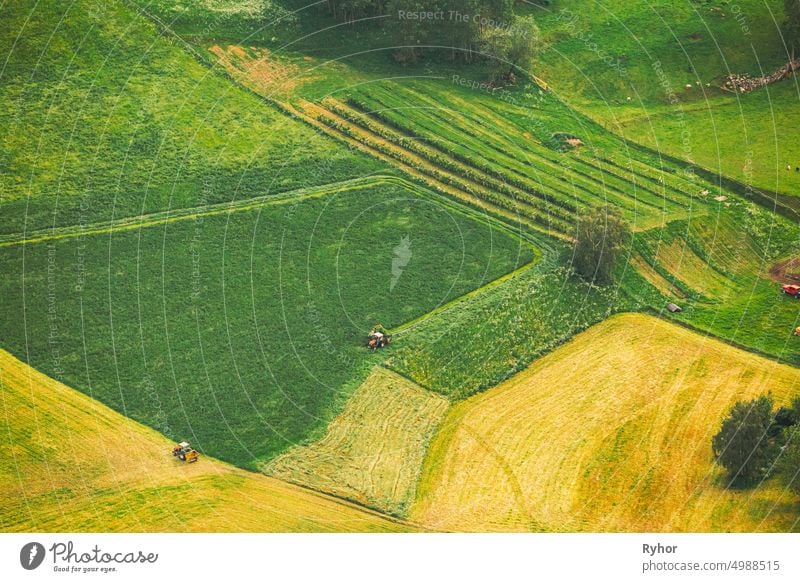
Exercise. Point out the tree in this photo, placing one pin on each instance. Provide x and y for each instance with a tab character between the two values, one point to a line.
601	234
512	48
792	26
789	464
407	34
743	445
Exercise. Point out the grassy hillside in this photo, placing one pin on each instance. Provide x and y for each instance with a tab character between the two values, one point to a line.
243	330
373	450
628	64
68	463
103	118
611	432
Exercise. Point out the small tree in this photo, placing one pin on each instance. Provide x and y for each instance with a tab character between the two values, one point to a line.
792	9
789	465
743	445
601	234
512	48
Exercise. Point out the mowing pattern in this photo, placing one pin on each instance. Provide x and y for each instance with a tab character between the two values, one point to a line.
486	150
506	155
68	463
243	328
373	451
608	433
707	257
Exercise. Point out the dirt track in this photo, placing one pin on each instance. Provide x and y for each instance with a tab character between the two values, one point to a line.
786	271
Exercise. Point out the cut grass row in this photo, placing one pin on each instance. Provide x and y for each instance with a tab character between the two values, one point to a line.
70	464
429	177
463	141
539	211
571	179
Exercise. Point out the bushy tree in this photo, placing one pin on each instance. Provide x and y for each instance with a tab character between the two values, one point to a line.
743	445
512	49
789	465
600	236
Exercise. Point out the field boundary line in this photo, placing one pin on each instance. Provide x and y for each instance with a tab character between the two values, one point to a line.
192	213
659	313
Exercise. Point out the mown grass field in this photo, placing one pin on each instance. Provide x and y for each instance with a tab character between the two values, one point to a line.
70	464
624	63
503	148
243	331
499	149
205	217
103	118
373	451
611	432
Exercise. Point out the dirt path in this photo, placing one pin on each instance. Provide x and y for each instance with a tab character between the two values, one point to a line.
786	271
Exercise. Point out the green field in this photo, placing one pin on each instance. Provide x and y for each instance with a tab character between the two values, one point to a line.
207	209
92	132
243	331
634	82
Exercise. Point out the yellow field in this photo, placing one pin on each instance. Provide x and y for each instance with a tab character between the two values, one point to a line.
68	463
373	451
611	432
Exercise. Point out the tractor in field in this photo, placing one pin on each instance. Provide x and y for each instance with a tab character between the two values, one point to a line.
185	453
378	338
793	290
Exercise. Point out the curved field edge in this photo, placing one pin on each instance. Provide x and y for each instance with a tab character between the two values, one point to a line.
373	451
68	463
610	432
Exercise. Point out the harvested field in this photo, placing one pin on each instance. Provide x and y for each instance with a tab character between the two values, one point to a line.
611	432
373	451
68	463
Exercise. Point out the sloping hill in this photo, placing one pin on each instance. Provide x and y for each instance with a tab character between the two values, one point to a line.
611	432
68	463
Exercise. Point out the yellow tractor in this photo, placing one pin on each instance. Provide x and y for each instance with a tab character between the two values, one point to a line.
184	452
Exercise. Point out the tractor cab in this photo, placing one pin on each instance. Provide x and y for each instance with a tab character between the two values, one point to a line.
793	290
184	452
378	338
